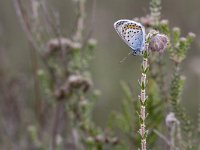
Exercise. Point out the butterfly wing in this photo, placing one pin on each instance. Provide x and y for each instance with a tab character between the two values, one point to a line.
118	26
133	34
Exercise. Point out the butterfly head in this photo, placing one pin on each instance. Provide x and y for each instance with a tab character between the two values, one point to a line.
137	52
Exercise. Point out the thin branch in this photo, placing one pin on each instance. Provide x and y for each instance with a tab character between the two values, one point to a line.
56	123
55	26
161	136
26	27
24	22
85	40
80	22
23	19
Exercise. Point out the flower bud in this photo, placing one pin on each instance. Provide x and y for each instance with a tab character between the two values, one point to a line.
158	43
183	39
147	21
191	34
100	138
171	119
164	22
176	29
90	140
190	37
92	43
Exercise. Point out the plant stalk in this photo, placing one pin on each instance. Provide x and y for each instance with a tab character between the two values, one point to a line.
143	98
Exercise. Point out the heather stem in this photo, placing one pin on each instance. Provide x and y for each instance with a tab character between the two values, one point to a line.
143	98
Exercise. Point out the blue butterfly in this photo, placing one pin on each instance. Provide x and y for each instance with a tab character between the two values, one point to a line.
133	34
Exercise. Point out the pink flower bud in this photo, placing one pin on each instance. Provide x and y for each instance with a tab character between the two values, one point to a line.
176	29
192	35
159	43
164	22
171	119
183	39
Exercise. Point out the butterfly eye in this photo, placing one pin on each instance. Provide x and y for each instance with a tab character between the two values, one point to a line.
135	52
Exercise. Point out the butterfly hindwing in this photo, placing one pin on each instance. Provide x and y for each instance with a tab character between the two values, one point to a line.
132	33
118	26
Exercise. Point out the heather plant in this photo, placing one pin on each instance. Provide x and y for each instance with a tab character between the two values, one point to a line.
63	84
165	117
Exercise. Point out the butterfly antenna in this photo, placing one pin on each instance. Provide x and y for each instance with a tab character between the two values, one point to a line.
121	61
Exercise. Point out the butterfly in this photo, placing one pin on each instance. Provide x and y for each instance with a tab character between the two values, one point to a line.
133	34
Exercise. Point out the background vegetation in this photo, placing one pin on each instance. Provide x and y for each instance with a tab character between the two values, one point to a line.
60	97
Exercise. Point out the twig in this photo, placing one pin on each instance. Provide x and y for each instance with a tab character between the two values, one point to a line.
78	37
56	123
24	22
161	136
26	27
85	40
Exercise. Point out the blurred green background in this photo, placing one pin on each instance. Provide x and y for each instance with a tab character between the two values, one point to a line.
106	70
